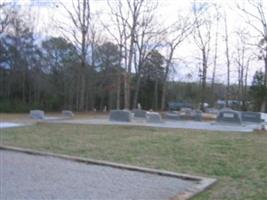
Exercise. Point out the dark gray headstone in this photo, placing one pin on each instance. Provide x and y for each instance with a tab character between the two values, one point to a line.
68	113
253	117
153	117
37	114
227	115
172	116
139	113
187	113
120	115
197	115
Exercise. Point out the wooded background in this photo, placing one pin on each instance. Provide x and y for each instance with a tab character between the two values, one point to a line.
81	70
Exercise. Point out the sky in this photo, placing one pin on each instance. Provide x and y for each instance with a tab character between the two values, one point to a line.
48	12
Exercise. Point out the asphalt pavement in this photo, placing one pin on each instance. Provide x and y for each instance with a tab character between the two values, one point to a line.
26	176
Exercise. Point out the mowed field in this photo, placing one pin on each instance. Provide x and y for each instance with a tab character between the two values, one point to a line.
237	160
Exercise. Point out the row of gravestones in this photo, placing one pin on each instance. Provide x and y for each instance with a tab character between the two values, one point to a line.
127	116
224	116
151	117
227	115
40	114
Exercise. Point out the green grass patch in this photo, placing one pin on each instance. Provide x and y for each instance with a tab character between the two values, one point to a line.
237	160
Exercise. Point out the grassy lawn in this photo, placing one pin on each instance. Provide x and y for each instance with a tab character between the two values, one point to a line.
237	160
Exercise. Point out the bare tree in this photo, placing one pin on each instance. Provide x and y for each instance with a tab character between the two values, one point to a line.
215	52
243	57
80	16
117	30
202	38
177	33
228	62
127	16
255	17
4	17
148	38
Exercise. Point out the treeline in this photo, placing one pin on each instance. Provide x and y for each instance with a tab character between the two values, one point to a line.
129	61
45	74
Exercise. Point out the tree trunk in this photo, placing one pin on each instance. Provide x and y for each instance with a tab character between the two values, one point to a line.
215	61
164	85
136	93
263	106
163	96
156	95
126	91
118	92
214	70
82	93
228	62
204	75
128	74
110	100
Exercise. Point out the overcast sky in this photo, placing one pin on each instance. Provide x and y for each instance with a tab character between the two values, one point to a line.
50	11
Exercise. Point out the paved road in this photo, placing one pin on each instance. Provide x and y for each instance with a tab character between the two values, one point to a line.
25	176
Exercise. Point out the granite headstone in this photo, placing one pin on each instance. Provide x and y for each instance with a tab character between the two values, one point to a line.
172	115
139	113
253	117
120	115
37	114
153	117
67	113
197	115
227	115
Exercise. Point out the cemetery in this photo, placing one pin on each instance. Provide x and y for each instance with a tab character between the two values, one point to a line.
227	120
133	100
187	123
141	145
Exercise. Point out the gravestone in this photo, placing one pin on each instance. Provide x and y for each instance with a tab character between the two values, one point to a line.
139	113
197	115
120	115
187	113
67	113
227	115
172	115
253	117
264	117
37	114
153	117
